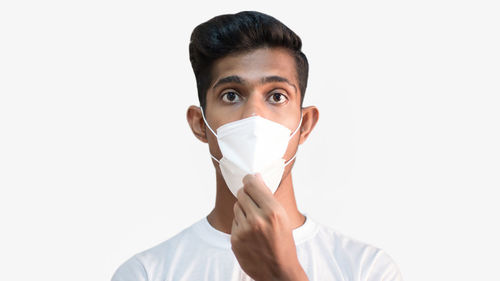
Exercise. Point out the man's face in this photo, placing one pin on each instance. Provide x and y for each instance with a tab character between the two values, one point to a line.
260	82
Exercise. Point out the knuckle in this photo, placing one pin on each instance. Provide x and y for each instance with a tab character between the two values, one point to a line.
258	227
257	224
239	194
246	179
273	215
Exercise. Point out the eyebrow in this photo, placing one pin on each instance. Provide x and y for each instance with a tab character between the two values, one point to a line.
239	80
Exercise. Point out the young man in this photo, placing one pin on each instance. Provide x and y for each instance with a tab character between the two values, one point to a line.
251	76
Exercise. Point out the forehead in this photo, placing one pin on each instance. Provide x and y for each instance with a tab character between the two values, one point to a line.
255	64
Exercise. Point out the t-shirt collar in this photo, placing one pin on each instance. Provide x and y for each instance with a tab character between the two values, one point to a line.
223	240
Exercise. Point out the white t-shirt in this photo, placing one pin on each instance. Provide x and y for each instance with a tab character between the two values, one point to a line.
203	253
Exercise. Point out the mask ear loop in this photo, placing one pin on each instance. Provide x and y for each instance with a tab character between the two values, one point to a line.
215	159
288	162
298	127
206	123
296	130
203	115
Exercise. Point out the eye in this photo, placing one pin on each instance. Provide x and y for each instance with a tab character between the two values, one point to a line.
230	97
277	98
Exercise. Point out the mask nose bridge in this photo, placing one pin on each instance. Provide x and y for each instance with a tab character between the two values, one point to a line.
253	114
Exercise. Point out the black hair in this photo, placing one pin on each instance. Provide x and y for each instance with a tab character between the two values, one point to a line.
241	32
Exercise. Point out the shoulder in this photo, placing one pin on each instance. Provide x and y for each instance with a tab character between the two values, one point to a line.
383	268
138	267
358	257
131	270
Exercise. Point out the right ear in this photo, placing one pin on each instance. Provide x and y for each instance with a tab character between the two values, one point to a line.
195	120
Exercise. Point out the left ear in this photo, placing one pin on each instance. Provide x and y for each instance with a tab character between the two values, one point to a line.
310	116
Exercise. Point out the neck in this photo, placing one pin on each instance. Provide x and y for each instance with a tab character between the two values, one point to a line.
221	217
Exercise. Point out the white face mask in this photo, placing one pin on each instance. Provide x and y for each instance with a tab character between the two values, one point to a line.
252	145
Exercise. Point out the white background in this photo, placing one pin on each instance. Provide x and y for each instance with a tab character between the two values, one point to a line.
97	161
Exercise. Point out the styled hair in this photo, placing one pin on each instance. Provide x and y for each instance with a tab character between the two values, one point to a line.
238	33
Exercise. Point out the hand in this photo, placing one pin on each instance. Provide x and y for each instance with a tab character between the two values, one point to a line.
261	234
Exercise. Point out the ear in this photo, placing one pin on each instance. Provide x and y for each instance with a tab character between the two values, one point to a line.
195	120
310	116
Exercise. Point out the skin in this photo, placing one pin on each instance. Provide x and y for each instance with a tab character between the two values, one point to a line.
260	222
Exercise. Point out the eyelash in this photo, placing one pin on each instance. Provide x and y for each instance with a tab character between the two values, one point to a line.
270	95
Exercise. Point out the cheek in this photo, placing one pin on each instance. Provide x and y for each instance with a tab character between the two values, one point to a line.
289	116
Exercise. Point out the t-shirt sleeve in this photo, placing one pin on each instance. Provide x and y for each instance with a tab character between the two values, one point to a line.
384	269
131	270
